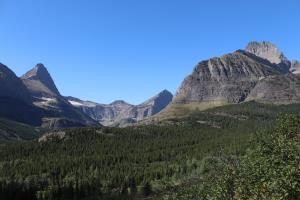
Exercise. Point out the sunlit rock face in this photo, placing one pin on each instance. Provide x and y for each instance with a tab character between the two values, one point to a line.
266	50
226	79
261	72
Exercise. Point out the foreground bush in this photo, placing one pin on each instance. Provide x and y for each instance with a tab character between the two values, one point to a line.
269	170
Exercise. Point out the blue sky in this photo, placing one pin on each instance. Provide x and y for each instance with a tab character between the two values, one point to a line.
103	50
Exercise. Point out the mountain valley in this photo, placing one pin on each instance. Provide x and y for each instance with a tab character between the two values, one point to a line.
233	124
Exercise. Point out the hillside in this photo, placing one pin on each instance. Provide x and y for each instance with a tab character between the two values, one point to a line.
268	170
135	161
11	130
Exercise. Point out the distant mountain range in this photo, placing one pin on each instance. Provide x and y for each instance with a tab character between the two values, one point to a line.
35	100
120	113
260	72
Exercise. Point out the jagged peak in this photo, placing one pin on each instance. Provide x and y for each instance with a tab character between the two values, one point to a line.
164	94
267	50
36	72
40	66
265	44
40	73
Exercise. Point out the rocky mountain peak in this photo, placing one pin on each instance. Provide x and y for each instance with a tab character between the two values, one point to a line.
40	73
154	105
164	97
266	50
165	92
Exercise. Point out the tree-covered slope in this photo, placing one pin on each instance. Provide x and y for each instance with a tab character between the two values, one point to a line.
268	170
136	161
11	130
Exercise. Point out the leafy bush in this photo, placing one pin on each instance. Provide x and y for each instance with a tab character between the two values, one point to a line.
269	170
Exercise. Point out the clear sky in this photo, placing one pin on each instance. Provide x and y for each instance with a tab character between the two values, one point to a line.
103	50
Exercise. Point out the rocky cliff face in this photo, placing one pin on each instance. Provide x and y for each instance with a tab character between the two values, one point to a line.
269	51
283	89
121	113
260	73
228	79
266	50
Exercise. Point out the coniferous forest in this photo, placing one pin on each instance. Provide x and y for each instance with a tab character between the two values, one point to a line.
149	100
247	151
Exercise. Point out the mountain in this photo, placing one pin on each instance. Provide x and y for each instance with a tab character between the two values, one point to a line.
57	112
121	113
284	89
39	82
260	73
11	86
228	79
153	105
271	52
266	50
15	99
106	114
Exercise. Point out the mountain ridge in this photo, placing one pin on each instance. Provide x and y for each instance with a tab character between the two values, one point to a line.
241	76
121	113
260	73
53	110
